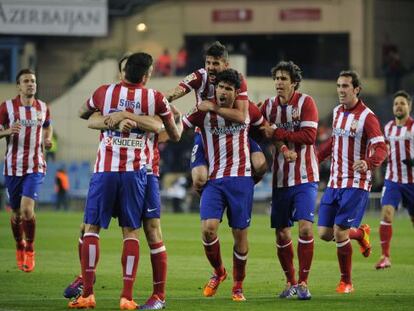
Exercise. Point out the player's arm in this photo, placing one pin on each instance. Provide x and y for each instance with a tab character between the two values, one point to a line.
237	114
173	131
85	111
378	148
176	93
13	129
47	136
324	150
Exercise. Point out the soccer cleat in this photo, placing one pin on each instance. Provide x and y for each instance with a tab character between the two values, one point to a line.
344	288
364	244
74	289
289	291
211	287
29	261
125	304
20	258
83	303
153	303
237	295
383	263
303	292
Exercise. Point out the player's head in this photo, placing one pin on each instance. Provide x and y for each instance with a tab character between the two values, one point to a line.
402	103
138	68
348	87
121	66
227	84
216	60
287	77
26	83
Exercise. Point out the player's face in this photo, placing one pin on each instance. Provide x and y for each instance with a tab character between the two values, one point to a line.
347	94
226	94
214	65
401	107
27	85
284	85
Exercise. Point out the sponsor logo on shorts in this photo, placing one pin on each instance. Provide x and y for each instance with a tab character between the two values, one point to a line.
149	210
350	219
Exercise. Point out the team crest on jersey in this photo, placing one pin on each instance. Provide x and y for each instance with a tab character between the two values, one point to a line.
295	113
108	141
39	116
189	78
354	126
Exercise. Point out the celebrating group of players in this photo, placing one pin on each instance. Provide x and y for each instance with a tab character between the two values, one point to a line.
226	163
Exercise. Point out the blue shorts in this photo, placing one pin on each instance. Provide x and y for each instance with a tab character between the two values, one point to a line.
343	207
235	193
290	204
198	157
27	185
121	195
393	193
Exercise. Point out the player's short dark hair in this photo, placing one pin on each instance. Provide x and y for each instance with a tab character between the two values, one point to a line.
404	94
217	50
137	66
356	80
290	67
229	76
24	72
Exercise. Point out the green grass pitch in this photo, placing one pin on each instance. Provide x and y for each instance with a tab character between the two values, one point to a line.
188	269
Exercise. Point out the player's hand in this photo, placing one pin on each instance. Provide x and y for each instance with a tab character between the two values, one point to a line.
267	130
176	113
48	144
290	156
360	166
114	119
126	125
15	128
206	106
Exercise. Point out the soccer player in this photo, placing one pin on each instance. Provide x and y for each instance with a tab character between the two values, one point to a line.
399	181
356	148
125	182
25	123
202	82
295	187
229	184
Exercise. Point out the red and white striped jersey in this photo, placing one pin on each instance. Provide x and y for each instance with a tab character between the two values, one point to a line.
226	144
296	118
203	89
354	132
120	152
400	140
24	154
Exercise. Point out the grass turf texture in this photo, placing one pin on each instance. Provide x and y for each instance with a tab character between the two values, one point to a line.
188	270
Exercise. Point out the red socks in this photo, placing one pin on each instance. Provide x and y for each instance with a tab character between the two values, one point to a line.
130	258
239	268
285	255
344	252
17	229
159	268
29	228
89	261
385	232
212	250
305	255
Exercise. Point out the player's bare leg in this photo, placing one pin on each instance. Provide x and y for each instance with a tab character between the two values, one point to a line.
199	175
259	165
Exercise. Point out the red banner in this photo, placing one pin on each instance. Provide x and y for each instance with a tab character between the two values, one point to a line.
300	14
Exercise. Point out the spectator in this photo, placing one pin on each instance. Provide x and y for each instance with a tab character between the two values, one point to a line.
62	186
163	65
181	62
